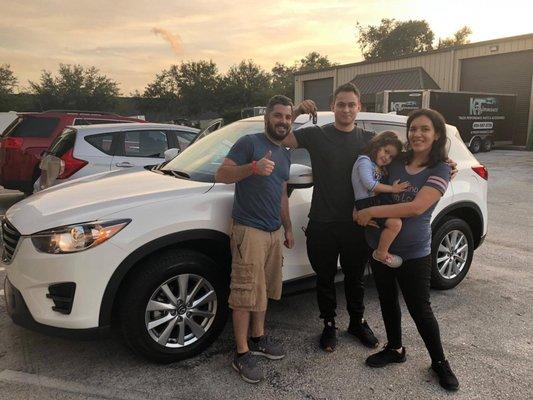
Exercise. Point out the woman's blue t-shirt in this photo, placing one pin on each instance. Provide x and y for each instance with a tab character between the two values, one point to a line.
414	240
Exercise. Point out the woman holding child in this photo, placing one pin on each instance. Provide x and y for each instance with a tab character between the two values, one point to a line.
413	185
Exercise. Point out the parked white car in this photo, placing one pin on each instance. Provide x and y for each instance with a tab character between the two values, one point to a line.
149	250
86	150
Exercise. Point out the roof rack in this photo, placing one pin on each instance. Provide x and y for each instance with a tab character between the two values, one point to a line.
79	112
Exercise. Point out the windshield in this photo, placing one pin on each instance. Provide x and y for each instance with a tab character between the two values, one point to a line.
201	160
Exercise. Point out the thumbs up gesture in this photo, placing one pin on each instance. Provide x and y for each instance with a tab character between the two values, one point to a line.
265	166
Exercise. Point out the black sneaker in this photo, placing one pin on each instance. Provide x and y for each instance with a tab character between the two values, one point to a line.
267	347
328	340
362	331
247	367
447	378
385	357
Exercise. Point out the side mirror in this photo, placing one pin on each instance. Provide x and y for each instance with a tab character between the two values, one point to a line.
301	176
170	154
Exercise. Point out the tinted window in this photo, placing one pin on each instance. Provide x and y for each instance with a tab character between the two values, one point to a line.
379	127
34	127
184	139
63	143
102	142
145	144
300	156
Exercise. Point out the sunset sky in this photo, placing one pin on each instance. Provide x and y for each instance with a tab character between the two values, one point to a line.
131	41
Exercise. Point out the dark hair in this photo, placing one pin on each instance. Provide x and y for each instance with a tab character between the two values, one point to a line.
347	87
278	99
382	140
438	148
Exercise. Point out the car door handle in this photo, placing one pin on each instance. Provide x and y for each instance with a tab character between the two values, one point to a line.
124	165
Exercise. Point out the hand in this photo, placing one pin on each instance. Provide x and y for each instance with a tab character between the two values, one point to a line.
265	166
363	217
398	187
306	107
289	239
453	166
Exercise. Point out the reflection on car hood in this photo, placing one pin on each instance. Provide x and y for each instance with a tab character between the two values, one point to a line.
94	197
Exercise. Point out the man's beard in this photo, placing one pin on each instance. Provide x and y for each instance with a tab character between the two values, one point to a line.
271	131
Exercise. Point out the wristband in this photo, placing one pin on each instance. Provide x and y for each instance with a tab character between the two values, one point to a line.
254	167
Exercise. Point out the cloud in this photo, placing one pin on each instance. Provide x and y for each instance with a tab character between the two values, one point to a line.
174	40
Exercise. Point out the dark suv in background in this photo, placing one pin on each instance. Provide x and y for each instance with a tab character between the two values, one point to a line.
23	142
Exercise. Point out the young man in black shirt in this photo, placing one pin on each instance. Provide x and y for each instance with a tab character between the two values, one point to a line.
331	231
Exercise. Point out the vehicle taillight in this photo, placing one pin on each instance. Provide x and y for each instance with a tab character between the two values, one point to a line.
482	171
72	165
14	143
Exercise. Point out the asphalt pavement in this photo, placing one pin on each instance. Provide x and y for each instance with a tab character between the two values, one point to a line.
486	327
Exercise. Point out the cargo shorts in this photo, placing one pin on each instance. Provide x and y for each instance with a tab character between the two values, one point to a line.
256	268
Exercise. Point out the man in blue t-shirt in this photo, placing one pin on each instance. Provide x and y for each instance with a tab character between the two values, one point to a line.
259	166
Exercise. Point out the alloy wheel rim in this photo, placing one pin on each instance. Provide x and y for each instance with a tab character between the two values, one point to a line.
181	311
452	254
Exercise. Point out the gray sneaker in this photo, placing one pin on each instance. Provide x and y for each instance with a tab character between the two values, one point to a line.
267	347
247	368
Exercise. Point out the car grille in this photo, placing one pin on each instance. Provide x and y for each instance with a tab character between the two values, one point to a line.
10	239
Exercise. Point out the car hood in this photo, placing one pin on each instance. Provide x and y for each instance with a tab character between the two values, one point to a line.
94	197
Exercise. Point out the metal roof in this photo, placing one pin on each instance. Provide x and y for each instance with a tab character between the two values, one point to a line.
408	79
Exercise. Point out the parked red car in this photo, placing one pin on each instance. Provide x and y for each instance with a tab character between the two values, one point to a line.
23	142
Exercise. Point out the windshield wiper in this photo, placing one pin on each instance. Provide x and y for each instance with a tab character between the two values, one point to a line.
173	172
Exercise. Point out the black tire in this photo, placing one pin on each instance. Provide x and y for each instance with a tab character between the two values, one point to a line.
446	227
475	145
141	287
486	145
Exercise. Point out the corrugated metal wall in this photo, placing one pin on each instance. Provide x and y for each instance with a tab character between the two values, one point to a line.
444	67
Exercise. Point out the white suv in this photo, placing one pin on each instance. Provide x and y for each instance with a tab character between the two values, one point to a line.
149	249
86	150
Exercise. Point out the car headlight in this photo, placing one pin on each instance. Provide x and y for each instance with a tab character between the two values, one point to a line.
77	237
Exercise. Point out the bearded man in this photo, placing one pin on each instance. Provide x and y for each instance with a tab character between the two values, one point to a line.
259	166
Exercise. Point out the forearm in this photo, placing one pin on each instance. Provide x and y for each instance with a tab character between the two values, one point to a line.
285	215
382	188
400	210
233	173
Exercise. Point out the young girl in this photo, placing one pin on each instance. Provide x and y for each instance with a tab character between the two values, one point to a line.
367	174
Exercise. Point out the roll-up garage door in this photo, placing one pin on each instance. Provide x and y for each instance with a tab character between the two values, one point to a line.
509	73
319	91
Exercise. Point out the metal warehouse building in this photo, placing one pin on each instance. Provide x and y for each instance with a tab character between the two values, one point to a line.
496	66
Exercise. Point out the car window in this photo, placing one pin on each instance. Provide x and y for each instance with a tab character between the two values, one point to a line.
379	127
102	142
63	143
144	144
184	139
300	156
29	126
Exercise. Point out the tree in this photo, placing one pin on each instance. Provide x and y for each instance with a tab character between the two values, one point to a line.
314	61
244	85
190	86
460	37
75	87
8	81
394	38
283	79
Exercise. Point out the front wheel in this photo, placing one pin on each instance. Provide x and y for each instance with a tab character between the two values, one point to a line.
175	306
452	249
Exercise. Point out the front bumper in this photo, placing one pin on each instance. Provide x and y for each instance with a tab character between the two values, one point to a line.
32	273
18	311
